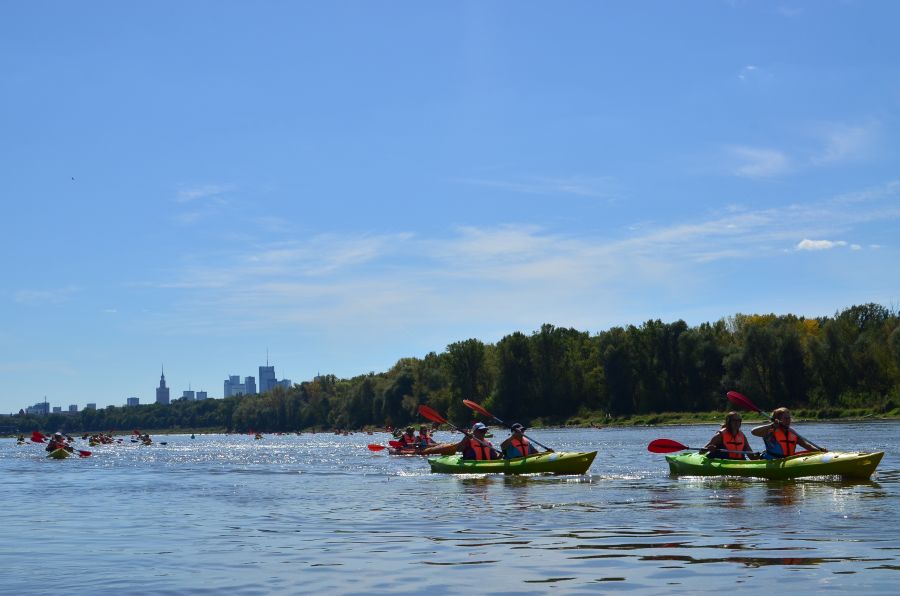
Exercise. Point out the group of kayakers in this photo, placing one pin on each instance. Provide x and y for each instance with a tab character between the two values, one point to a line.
475	446
779	440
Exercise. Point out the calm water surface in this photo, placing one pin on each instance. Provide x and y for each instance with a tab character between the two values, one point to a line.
294	514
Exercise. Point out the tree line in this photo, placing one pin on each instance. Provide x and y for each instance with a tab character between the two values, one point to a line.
851	359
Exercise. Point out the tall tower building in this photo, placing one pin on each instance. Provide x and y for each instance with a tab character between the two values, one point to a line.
267	380
162	392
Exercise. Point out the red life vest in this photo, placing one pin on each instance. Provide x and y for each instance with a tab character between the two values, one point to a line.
424	439
787	440
732	443
478	451
408	441
521	446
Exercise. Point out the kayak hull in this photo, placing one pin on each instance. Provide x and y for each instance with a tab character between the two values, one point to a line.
833	463
59	454
542	463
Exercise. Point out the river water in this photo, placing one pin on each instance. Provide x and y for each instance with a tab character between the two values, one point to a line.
319	512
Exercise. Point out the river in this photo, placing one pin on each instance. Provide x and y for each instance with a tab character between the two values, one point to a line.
319	512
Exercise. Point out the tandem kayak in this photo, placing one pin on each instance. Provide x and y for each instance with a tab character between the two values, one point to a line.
561	462
832	463
59	454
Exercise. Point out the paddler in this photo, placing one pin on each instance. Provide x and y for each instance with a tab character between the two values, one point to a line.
729	442
517	444
780	440
408	439
475	446
423	439
57	441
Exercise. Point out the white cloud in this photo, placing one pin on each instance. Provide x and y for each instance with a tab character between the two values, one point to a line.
755	162
807	244
747	72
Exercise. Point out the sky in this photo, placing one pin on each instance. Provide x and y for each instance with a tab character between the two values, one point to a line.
341	184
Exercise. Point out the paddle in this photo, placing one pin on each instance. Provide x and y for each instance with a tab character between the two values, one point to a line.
670	446
396	444
427	412
745	403
374	447
471	404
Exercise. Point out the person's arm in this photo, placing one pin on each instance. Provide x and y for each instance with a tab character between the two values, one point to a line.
505	443
461	445
762	431
714	443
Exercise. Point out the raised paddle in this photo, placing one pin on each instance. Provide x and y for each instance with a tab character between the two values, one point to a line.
670	446
474	406
432	415
745	403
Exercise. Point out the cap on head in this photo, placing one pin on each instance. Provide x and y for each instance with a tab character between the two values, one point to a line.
518	428
478	426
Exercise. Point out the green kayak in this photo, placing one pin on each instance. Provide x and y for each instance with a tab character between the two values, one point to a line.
543	463
832	463
59	454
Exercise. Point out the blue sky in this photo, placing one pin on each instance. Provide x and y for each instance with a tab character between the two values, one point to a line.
345	184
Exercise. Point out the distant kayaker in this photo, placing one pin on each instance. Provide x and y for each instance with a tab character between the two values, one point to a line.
517	445
780	440
57	441
408	439
729	442
423	439
475	446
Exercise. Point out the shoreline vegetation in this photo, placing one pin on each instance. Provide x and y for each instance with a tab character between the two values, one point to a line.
840	367
590	420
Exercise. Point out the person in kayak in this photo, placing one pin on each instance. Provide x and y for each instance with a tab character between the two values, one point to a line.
423	439
408	439
475	446
729	442
517	444
780	440
57	441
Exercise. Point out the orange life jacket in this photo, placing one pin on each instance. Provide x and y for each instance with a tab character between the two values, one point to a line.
478	451
734	443
408	441
787	440
519	447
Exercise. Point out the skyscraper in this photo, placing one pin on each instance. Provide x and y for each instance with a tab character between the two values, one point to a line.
162	392
267	380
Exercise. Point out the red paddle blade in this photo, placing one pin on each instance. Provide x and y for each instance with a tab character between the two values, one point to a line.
472	405
395	444
84	453
665	446
427	412
374	447
742	401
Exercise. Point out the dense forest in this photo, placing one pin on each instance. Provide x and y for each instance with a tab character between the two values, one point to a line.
850	360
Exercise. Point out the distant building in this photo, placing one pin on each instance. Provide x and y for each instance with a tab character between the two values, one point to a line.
39	409
90	407
162	392
187	395
201	395
250	385
233	386
73	409
267	380
132	401
57	409
285	383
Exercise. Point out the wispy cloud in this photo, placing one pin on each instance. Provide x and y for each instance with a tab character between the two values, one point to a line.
845	143
747	72
602	187
50	296
807	244
475	275
758	162
188	194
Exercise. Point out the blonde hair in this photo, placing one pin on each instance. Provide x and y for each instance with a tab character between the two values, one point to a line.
779	413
